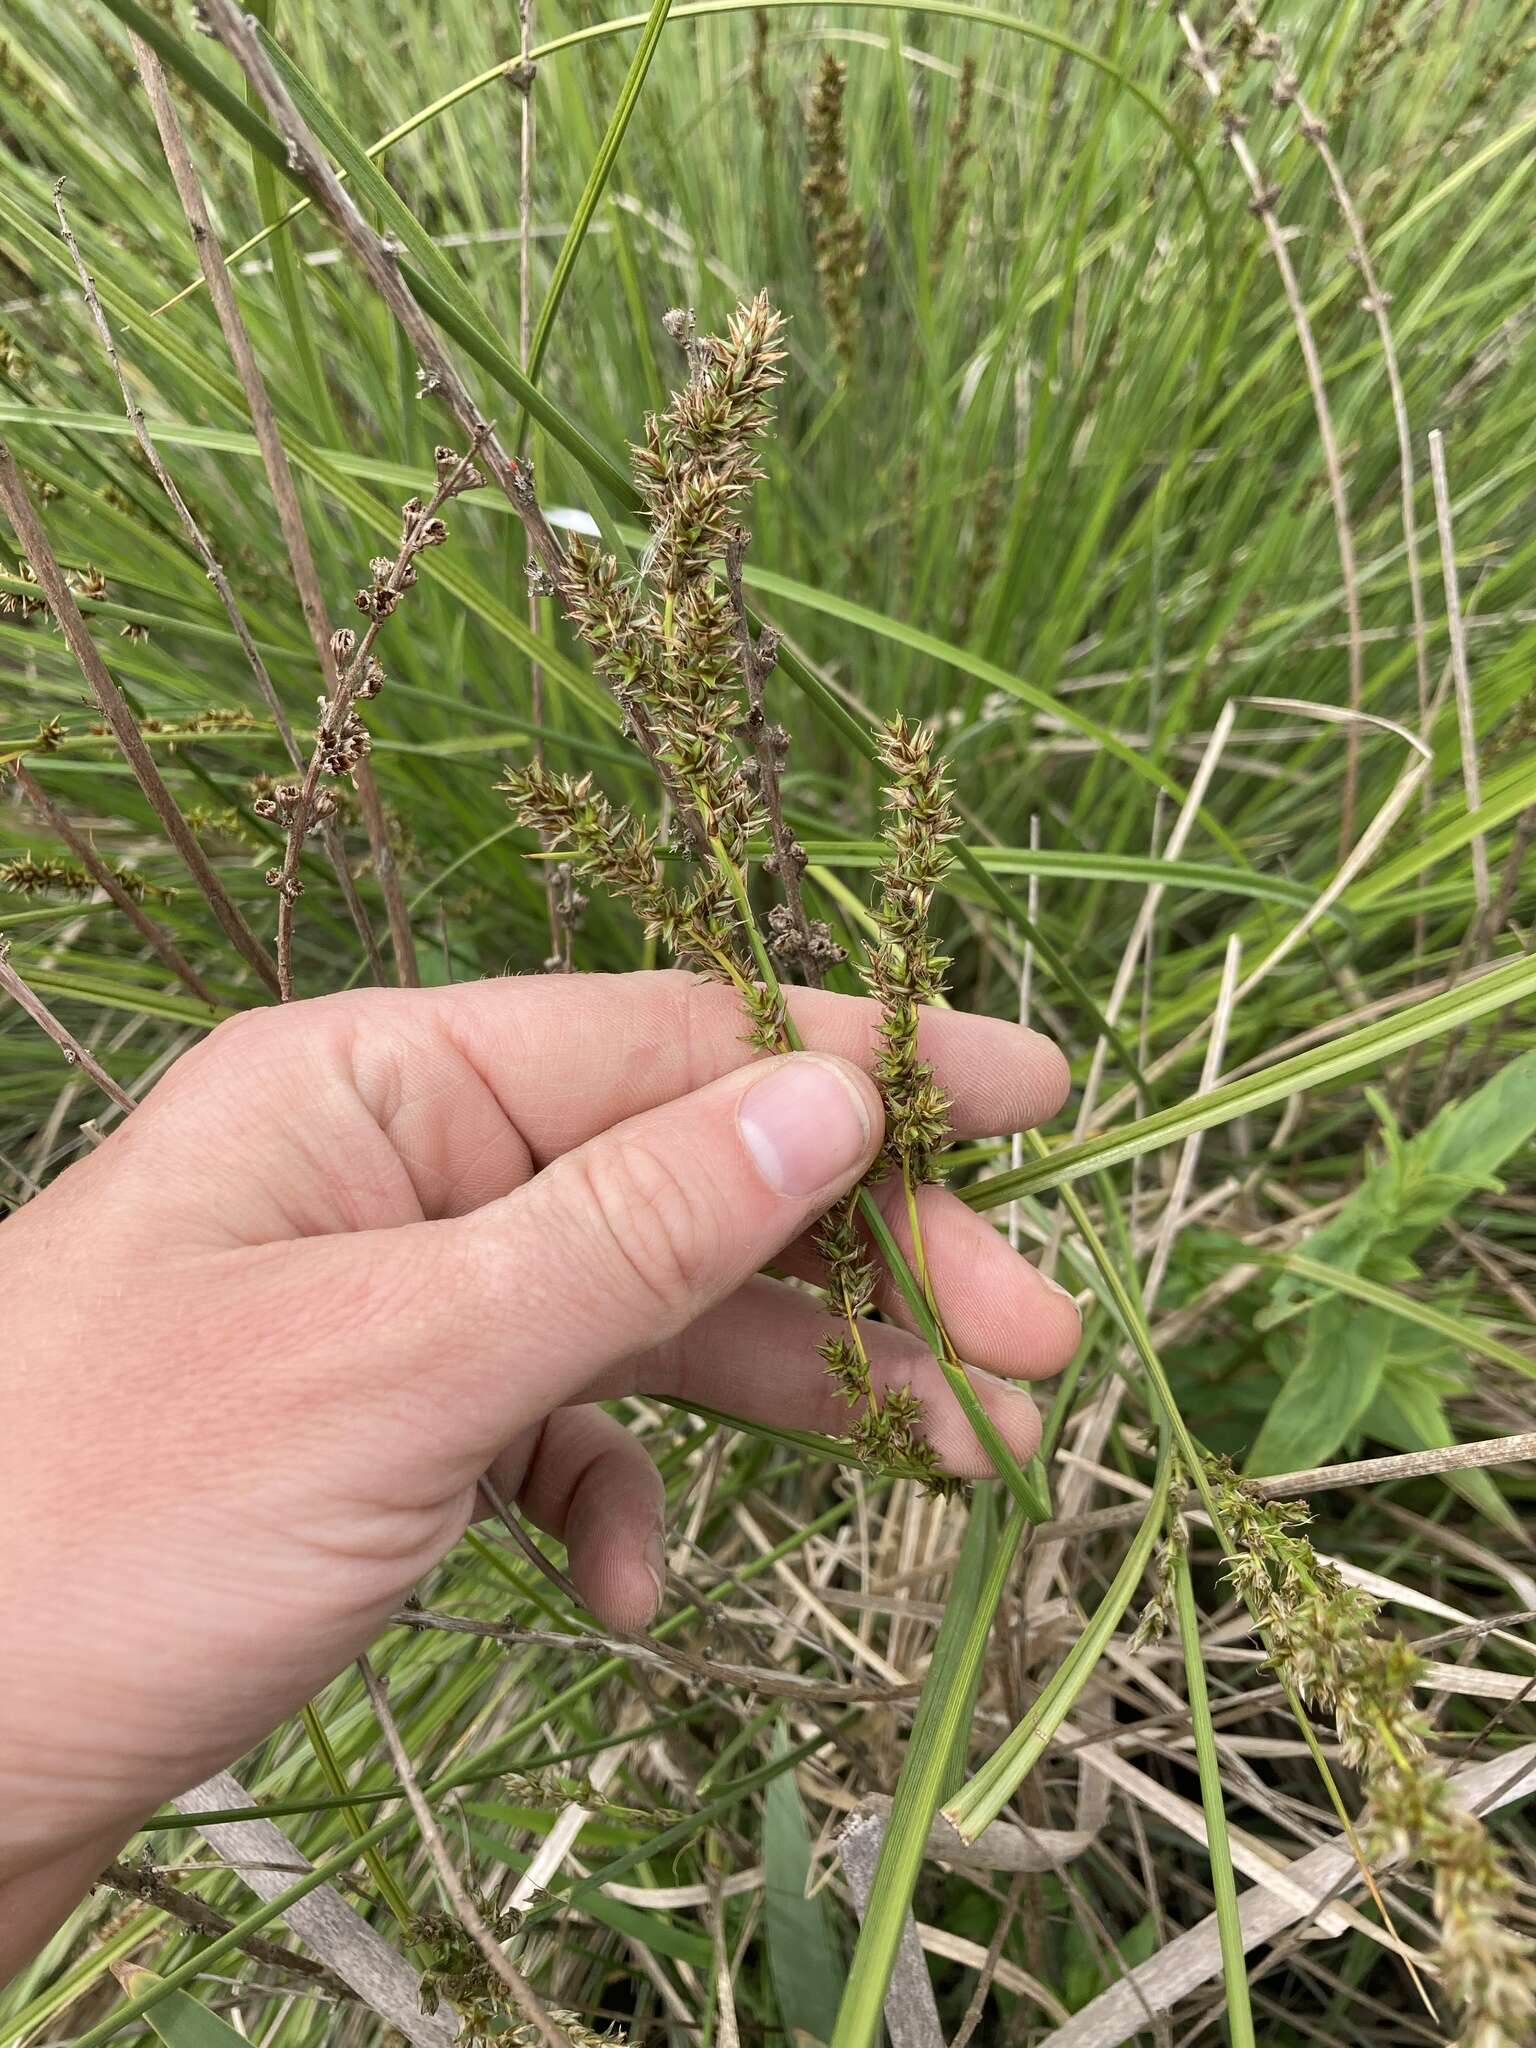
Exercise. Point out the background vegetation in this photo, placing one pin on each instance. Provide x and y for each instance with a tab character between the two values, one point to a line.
1090	453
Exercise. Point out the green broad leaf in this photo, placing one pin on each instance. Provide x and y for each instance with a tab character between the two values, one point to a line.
178	2019
1473	1138
1087	1970
1327	1394
1410	1415
1419	1182
803	1956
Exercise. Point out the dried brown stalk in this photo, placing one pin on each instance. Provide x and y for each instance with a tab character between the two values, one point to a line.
378	259
35	546
103	877
290	520
1286	92
1264	198
972	2017
519	1990
340	743
646	1651
1468	1457
799	942
437	372
74	1052
387	875
212	567
143	1881
559	884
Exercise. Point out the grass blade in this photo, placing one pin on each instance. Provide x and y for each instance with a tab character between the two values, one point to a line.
938	1735
597	179
802	1950
178	2020
1354	1053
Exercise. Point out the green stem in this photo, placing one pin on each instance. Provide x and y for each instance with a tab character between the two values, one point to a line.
938	1733
1218	1846
1011	1763
357	1827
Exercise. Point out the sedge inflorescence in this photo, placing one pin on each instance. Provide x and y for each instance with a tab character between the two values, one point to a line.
837	225
676	646
1323	1642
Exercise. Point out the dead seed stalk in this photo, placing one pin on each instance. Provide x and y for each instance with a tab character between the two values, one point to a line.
335	745
522	1994
44	563
758	658
290	520
1264	198
74	1052
144	1881
155	934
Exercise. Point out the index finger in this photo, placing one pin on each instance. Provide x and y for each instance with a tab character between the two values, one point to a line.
567	1056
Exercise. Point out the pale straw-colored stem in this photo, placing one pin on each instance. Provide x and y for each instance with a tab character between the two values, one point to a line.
156	935
29	531
290	519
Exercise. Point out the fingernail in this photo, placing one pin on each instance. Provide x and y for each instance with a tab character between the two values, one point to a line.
655	1557
805	1125
1056	1287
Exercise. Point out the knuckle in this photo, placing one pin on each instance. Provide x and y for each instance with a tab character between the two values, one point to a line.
234	1035
654	1232
224	1057
702	1006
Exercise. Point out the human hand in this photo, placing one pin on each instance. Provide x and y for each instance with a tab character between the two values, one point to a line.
351	1255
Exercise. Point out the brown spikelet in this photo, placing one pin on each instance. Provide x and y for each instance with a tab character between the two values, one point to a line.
836	223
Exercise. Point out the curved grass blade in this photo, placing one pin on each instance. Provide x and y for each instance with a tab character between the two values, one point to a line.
695	9
1351	1054
597	179
428	273
178	2020
1466	1336
989	1791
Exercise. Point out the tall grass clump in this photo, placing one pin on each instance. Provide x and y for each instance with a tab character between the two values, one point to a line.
1023	511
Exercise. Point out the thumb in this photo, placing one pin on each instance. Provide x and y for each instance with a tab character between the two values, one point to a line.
614	1247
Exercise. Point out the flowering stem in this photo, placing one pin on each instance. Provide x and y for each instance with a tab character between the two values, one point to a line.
1027	1484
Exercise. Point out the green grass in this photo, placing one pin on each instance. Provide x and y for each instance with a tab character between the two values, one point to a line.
1069	502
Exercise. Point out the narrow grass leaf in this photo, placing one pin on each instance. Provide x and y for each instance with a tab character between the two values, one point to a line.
803	1956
